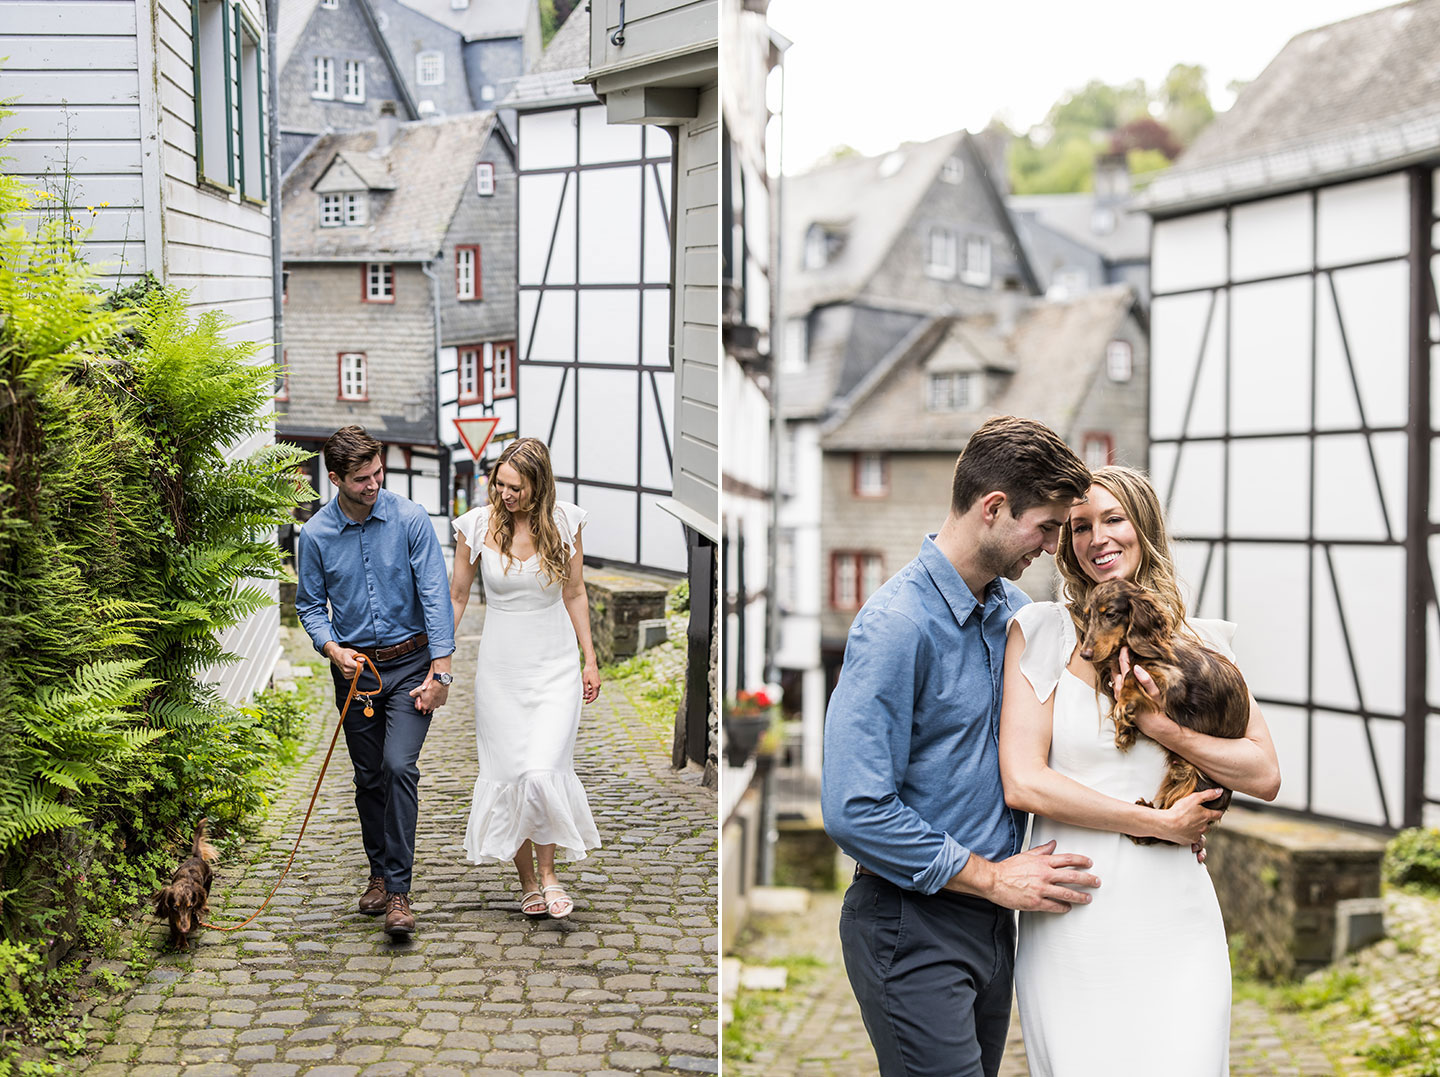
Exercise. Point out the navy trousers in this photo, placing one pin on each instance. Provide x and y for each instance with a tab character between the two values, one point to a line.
933	975
385	751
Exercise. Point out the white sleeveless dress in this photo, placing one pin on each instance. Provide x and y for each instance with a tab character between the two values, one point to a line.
528	696
1137	983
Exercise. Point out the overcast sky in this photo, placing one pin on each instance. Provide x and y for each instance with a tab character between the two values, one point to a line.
872	75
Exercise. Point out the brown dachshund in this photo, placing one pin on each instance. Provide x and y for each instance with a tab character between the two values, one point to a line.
186	899
1199	689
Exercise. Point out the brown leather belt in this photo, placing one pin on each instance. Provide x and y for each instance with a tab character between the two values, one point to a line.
861	869
389	654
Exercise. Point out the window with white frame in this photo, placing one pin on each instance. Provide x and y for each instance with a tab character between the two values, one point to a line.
872	474
379	282
459	5
323	85
951	391
855	575
485	178
940	253
977	260
352	376
430	68
953	170
212	29
1097	450
346	209
252	116
487	92
355	81
1119	361
330	5
468	374
467	272
504	370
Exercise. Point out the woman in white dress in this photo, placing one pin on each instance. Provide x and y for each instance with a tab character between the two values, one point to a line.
1137	982
529	804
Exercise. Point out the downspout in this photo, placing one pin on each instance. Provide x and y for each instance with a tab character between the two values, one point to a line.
777	355
277	258
443	450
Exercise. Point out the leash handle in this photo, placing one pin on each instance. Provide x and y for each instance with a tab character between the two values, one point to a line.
360	663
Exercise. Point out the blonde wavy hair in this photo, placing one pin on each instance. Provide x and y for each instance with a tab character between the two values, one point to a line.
1141	505
531	459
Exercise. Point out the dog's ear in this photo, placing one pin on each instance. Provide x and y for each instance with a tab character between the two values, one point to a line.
1149	623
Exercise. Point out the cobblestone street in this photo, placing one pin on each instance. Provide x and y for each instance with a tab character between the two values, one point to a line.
814	1029
626	984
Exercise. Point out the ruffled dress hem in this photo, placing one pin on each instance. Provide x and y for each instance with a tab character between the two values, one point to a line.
546	807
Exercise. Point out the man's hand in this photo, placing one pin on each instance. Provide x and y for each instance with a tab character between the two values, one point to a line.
1037	880
343	659
430	695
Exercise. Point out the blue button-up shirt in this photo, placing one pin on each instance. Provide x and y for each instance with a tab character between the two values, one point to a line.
911	782
384	579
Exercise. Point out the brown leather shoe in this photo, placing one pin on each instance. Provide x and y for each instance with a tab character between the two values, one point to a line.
399	920
372	902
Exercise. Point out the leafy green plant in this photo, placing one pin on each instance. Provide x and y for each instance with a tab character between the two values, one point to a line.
1416	1049
1412	858
677	600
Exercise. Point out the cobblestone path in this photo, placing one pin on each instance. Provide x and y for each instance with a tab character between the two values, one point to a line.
814	1029
627	984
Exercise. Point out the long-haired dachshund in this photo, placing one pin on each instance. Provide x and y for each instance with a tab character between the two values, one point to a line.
1199	689
186	899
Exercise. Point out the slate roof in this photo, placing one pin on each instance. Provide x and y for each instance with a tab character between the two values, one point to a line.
429	163
1353	98
871	201
1072	214
481	20
1043	368
551	81
290	23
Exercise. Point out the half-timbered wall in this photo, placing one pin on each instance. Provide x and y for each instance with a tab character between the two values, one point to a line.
1290	432
596	378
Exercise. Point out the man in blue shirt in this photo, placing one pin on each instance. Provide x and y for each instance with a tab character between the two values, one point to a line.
373	558
911	783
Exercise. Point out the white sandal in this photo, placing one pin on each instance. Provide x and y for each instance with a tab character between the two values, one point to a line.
566	906
533	905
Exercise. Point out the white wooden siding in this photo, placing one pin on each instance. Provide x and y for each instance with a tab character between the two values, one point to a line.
697	314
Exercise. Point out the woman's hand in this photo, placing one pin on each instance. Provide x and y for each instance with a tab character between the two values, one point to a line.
1186	821
590	681
1151	721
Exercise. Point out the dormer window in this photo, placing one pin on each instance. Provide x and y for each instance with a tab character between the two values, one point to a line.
343	210
940	254
430	68
822	245
952	391
953	170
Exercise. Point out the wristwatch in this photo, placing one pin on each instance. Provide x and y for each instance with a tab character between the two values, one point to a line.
444	678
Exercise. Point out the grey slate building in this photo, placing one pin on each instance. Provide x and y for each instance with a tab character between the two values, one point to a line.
500	40
890	444
400	298
873	248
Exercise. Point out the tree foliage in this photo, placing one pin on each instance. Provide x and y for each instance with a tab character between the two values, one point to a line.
1148	127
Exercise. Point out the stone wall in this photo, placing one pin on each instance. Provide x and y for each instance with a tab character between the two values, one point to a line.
1279	881
618	603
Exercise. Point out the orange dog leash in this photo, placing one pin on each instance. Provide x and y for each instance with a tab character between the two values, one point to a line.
360	663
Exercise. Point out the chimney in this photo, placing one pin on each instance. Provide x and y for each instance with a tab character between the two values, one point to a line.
1007	305
386	126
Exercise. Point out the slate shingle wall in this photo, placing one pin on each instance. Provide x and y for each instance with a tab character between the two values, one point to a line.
342	35
324	316
489	221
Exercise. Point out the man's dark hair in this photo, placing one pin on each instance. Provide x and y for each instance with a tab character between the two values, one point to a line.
1025	460
348	448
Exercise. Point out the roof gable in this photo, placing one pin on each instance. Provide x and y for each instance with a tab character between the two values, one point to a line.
420	178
